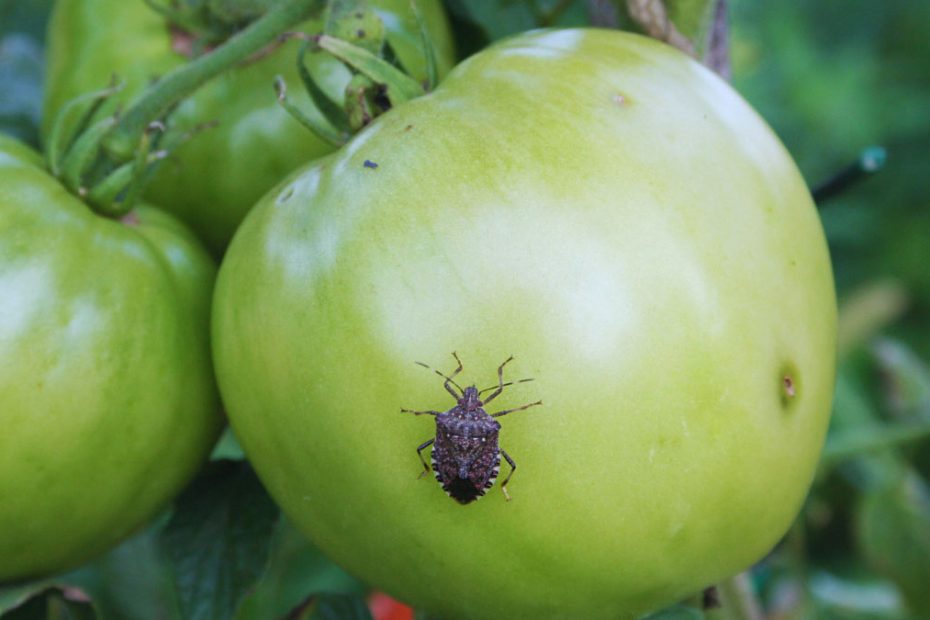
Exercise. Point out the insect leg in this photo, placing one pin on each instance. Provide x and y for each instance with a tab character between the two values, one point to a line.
420	412
500	381
422	447
513	468
506	411
449	378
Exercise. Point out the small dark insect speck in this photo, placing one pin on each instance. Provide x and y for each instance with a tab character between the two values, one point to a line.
370	164
466	456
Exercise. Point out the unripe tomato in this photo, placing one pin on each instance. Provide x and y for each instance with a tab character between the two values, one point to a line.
613	215
107	399
213	179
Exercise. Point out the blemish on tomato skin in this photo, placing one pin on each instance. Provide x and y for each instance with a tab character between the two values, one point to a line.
131	219
285	196
370	164
788	384
621	100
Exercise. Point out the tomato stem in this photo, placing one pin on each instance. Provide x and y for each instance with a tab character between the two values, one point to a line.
737	600
870	161
122	141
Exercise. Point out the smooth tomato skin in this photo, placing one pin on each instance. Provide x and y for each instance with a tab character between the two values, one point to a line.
107	399
615	216
214	178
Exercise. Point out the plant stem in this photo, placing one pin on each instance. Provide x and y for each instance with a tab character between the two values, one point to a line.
120	143
737	600
870	161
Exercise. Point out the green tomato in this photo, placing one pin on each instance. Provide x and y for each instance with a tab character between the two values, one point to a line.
215	177
107	400
615	216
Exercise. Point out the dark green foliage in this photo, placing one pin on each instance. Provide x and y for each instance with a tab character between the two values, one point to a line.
218	538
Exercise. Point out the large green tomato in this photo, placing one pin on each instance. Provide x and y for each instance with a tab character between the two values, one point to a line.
107	399
214	178
617	218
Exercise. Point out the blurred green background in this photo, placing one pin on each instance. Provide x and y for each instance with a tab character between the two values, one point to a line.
832	77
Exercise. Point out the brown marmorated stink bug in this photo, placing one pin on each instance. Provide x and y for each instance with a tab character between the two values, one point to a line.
466	455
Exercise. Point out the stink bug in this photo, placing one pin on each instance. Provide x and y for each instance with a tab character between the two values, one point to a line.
466	456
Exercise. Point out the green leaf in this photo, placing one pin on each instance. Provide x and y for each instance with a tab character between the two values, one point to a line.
677	612
218	538
853	419
42	599
870	308
12	597
131	581
340	607
894	535
331	607
873	438
908	377
297	571
853	597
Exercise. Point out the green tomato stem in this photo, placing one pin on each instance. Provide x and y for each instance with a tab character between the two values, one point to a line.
120	143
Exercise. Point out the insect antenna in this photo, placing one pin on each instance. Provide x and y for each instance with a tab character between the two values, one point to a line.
494	387
444	376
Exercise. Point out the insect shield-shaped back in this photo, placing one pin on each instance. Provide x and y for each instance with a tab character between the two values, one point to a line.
466	455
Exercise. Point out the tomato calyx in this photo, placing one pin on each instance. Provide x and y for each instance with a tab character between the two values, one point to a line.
355	36
106	161
198	26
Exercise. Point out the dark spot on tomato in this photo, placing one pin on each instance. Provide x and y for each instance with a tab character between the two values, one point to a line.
788	384
408	127
360	33
370	164
285	195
